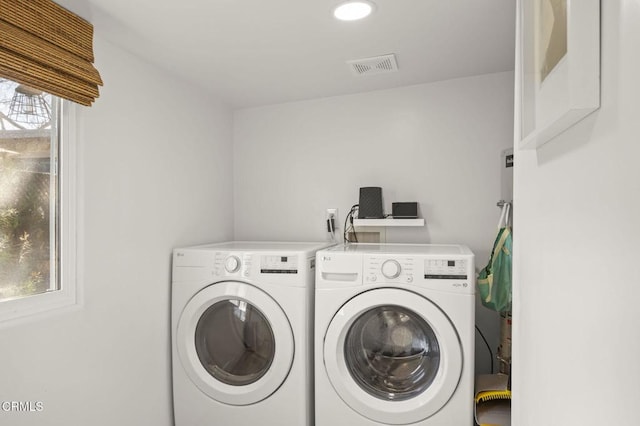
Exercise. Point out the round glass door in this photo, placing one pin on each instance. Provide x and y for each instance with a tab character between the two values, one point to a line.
392	353
235	343
393	356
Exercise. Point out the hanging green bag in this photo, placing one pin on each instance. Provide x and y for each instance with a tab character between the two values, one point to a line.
494	281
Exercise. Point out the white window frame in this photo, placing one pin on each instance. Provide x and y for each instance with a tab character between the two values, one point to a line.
67	296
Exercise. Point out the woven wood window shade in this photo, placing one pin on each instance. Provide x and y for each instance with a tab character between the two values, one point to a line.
44	46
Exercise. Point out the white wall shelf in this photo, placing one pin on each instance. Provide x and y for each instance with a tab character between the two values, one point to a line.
388	222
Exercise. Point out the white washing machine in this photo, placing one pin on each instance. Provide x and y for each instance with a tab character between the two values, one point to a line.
394	339
241	322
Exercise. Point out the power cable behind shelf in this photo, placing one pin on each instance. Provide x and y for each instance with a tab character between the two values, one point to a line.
348	225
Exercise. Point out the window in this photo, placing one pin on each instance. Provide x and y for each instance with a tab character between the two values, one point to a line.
36	202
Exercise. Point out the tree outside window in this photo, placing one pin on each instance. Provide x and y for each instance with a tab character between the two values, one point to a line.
28	191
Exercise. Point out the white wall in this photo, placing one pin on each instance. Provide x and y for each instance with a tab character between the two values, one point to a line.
155	159
576	320
437	144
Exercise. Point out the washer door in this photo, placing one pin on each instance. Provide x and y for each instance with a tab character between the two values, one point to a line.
235	343
393	356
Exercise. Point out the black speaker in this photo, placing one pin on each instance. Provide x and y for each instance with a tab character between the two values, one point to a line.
370	205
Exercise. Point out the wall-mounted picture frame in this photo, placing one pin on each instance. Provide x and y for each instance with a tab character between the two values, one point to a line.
557	67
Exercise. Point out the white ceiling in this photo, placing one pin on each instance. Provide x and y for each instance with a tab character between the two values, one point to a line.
257	52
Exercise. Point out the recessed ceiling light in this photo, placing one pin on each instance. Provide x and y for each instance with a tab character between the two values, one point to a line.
353	10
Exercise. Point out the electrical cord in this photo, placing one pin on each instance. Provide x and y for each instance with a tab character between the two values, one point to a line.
349	219
488	347
331	228
345	229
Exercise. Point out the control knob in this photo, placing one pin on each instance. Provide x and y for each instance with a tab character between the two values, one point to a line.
391	269
232	264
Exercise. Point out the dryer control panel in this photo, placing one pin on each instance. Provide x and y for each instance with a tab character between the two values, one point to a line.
287	268
278	264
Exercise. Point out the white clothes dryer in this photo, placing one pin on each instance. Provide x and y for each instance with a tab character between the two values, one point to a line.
241	322
394	339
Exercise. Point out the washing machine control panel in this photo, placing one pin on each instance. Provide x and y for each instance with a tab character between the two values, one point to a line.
446	269
388	269
451	274
391	268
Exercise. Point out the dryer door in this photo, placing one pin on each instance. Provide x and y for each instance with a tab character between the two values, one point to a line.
393	356
235	343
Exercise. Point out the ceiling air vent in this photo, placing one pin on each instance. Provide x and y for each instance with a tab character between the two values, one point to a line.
376	65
